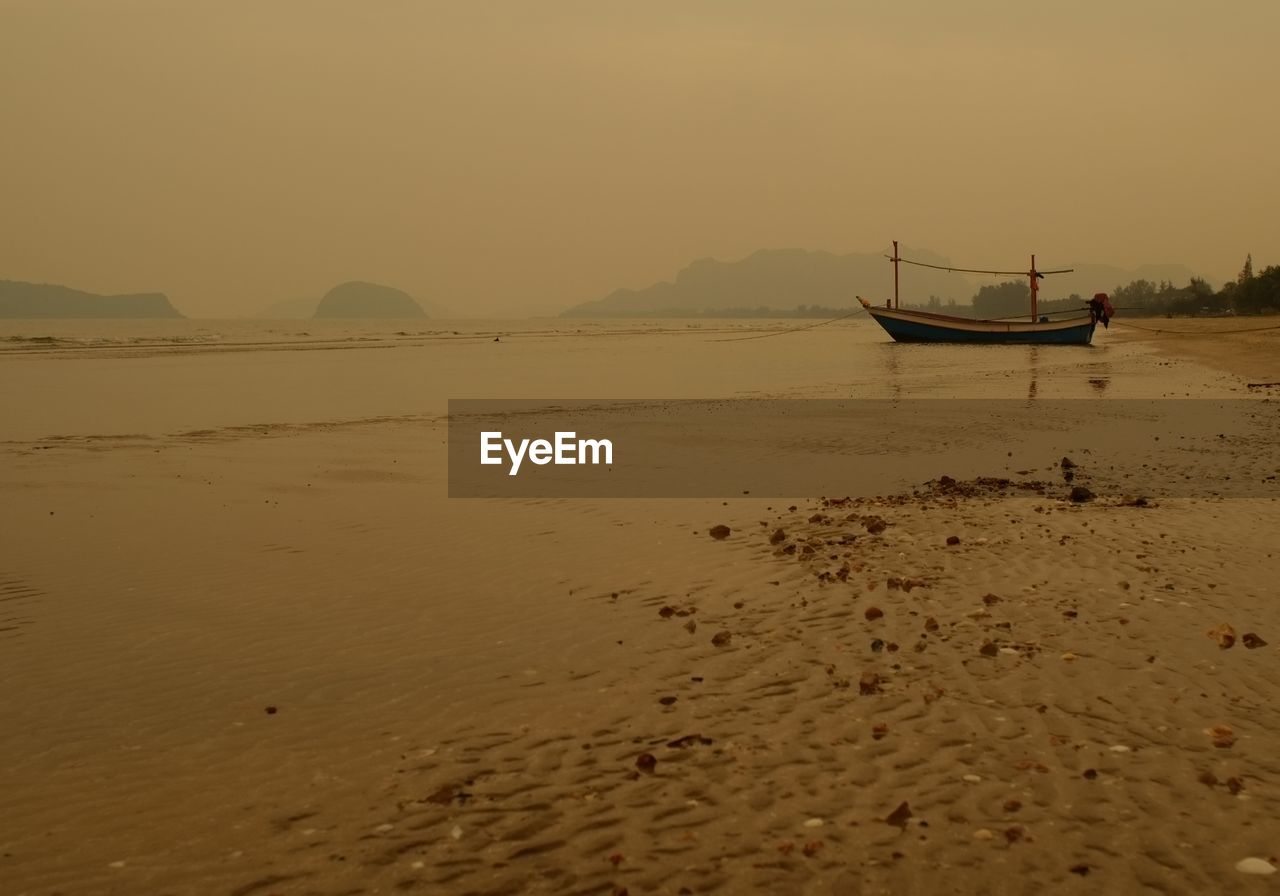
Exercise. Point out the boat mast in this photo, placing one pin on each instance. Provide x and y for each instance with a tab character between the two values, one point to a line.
1036	277
1035	287
895	273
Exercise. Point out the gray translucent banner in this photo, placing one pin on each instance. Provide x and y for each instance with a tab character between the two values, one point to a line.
522	448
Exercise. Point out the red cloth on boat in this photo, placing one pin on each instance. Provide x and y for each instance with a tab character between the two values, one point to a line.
1101	309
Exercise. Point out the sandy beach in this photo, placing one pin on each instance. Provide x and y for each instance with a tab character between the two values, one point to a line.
251	647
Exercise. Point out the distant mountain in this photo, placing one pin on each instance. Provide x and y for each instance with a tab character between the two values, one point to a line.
357	299
782	278
36	300
305	309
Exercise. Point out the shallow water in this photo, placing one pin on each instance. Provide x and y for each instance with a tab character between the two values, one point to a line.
116	378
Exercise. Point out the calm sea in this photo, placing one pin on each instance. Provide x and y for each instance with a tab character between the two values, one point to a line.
120	377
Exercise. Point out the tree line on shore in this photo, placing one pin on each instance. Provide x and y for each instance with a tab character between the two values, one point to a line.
764	281
1249	293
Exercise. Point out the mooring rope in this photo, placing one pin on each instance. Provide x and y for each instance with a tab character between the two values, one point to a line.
823	323
1191	333
792	330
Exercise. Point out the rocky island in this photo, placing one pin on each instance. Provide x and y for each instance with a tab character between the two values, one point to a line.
357	299
45	300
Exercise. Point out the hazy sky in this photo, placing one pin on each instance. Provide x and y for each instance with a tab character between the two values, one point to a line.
520	157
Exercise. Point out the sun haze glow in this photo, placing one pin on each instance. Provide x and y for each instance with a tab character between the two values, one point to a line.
517	158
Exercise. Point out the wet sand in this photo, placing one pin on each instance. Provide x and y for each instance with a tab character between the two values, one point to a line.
1247	347
250	658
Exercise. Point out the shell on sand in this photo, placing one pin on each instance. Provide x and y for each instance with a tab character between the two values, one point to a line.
1253	865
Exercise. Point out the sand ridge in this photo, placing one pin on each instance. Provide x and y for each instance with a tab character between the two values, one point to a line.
887	712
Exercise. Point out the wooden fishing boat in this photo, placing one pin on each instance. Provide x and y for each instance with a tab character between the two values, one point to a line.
924	326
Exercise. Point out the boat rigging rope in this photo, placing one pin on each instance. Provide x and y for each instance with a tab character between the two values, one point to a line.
949	269
792	330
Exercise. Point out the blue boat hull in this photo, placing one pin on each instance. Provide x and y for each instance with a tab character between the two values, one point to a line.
919	326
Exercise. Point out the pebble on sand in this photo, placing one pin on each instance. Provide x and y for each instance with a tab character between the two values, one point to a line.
1224	634
899	816
720	532
814	823
442	797
1223	736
